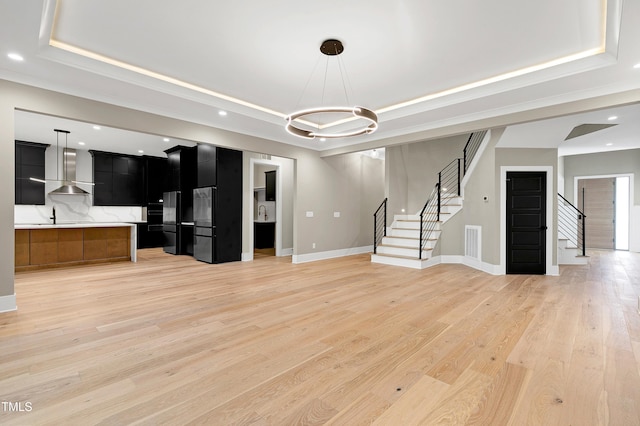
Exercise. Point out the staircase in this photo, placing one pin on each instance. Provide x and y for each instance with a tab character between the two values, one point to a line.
410	240
571	234
400	246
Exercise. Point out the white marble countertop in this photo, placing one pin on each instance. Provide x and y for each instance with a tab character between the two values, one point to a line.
72	225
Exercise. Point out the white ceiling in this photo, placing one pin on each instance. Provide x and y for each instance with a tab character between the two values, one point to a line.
420	64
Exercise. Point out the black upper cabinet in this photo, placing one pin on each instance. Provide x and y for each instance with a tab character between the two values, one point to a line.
207	160
118	179
155	178
29	162
270	185
182	168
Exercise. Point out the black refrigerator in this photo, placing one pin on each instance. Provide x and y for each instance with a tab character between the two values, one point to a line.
204	229
171	212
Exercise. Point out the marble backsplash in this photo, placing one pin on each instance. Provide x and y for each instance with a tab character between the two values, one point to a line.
75	208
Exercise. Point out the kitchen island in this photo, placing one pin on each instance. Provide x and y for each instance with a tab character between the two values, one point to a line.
39	246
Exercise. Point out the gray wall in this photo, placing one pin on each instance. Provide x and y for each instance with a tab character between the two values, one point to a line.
604	163
485	182
355	190
482	182
316	179
608	163
412	171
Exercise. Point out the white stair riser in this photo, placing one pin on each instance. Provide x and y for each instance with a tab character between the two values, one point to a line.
415	225
404	242
410	233
398	251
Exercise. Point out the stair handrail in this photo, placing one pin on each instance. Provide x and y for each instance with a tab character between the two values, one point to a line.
429	217
566	223
379	227
471	148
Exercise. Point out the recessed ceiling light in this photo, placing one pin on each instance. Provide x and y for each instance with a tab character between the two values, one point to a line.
81	143
141	151
222	113
610	143
637	66
374	154
96	127
323	139
15	57
165	139
613	117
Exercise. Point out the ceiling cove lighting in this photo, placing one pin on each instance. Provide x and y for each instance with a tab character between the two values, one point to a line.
331	47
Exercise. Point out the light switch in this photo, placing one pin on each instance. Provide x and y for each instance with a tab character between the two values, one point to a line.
336	214
309	214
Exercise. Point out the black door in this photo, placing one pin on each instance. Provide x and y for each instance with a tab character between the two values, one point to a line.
526	222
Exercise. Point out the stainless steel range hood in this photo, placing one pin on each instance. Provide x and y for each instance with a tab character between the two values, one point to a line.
69	175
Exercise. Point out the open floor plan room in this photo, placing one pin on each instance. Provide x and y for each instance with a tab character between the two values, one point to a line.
169	340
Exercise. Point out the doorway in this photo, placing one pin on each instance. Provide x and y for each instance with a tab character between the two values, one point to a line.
265	208
264	214
605	202
526	224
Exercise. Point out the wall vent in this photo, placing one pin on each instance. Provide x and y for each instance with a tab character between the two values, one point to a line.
473	241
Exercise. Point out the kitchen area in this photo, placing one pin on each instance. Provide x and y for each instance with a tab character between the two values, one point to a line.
76	205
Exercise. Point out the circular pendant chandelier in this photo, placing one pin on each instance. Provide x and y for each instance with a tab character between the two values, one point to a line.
332	47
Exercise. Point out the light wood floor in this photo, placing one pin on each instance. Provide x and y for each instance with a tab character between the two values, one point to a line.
169	340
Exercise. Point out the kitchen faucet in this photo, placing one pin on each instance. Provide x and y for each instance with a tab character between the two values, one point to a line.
54	215
262	206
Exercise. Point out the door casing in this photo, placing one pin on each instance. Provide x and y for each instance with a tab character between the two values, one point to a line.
551	236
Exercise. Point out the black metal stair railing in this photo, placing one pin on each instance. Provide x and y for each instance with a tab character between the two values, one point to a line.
471	148
571	224
429	219
379	225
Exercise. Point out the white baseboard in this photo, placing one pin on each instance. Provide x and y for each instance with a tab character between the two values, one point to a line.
323	255
8	303
472	263
247	257
554	270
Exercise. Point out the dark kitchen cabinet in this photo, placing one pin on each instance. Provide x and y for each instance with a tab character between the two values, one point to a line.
182	168
155	178
207	159
221	170
118	179
228	215
270	185
29	163
264	235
